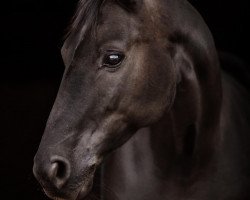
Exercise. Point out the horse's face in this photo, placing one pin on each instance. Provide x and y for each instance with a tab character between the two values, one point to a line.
121	78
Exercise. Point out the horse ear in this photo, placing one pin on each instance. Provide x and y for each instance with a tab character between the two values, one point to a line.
130	5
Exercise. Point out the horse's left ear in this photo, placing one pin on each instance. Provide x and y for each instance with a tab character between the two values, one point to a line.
131	5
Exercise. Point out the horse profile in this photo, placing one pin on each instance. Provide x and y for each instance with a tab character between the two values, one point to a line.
144	99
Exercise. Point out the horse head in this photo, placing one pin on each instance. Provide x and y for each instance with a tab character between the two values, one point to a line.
124	60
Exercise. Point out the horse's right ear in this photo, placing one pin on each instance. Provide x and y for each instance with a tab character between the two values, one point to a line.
131	5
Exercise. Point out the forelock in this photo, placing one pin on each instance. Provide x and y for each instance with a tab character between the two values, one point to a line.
86	15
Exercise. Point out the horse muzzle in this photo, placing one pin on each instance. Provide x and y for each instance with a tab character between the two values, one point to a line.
59	182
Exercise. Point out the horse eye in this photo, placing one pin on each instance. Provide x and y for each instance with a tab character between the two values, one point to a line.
113	60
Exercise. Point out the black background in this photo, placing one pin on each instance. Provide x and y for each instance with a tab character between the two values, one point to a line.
31	68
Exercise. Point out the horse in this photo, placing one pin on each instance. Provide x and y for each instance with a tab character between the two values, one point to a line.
143	99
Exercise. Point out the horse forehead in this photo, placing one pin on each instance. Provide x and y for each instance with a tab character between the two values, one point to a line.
115	23
114	18
112	13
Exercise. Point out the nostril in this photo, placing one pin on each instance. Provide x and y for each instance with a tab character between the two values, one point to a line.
59	171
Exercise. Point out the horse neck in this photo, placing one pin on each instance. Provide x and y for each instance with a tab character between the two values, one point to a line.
185	141
188	135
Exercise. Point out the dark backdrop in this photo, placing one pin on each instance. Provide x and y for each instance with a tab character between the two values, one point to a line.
31	69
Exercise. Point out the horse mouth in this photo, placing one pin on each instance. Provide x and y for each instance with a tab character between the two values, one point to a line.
79	194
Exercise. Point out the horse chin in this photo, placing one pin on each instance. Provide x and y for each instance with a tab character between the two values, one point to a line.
79	194
61	197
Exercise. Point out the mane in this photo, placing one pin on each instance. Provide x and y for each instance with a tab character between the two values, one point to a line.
86	15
